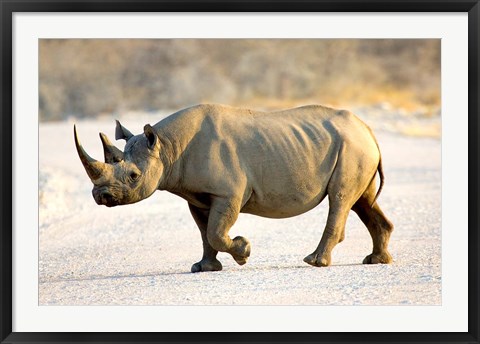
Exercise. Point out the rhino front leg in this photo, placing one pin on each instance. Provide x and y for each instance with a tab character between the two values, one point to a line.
223	214
209	260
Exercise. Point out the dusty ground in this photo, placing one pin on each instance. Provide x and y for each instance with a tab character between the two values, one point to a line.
141	254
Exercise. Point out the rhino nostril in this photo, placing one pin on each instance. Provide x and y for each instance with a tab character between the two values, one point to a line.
106	197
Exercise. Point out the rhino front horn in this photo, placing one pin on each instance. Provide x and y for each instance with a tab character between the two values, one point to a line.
93	167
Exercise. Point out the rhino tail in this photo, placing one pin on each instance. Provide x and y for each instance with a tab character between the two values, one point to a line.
379	167
382	178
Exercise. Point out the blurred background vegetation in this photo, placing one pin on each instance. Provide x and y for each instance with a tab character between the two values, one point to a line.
86	78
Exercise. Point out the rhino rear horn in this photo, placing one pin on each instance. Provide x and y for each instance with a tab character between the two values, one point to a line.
122	133
93	167
112	154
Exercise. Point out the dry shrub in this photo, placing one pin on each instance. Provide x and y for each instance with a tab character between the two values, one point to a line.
84	78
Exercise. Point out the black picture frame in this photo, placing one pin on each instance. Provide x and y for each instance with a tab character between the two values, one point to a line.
9	7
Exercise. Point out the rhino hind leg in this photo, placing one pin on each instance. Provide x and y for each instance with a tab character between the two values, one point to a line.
333	234
346	186
378	225
209	260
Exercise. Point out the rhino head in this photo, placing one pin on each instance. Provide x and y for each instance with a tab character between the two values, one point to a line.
125	177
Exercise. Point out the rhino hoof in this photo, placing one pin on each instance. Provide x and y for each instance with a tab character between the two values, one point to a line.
243	250
314	260
207	265
240	260
382	258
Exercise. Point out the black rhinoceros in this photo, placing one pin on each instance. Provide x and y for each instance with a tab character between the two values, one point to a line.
224	161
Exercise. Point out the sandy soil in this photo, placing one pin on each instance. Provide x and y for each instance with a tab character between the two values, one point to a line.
141	254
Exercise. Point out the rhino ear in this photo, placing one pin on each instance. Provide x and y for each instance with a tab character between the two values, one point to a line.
122	133
150	135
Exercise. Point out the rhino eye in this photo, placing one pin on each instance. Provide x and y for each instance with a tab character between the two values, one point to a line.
134	176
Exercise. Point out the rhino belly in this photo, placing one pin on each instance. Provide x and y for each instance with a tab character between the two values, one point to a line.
290	182
286	202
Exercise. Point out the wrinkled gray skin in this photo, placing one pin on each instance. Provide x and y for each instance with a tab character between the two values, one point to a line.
224	161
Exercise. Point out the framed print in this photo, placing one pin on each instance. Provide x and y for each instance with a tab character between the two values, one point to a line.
267	121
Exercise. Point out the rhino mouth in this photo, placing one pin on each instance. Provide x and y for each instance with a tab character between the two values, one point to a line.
104	197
